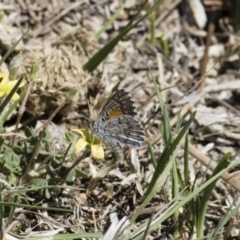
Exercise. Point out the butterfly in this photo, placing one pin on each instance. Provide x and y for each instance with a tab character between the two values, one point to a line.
118	123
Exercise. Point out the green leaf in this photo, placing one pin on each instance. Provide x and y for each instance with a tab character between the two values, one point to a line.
70	177
12	161
81	174
37	182
29	132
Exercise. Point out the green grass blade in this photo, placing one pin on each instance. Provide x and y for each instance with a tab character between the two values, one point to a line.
153	27
155	187
179	121
11	49
9	96
175	193
186	162
102	53
166	155
1	15
20	205
150	149
12	210
15	63
14	105
237	16
147	228
223	221
159	177
1	209
67	236
110	21
165	45
166	122
223	164
171	209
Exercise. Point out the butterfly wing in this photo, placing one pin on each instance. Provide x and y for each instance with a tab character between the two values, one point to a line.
121	103
118	121
125	130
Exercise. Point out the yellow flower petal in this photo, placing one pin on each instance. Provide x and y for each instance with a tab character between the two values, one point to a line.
4	87
89	141
97	151
11	84
83	132
7	86
4	77
81	144
15	96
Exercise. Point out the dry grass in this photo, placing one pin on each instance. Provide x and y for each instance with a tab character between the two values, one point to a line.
62	39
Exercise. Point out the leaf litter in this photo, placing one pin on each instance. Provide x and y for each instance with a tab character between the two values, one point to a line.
62	39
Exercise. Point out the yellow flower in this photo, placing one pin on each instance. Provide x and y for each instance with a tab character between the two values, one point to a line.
7	86
89	142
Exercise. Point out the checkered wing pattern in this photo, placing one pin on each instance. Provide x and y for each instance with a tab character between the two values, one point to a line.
121	103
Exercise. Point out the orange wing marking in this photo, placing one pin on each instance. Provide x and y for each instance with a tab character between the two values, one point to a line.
115	113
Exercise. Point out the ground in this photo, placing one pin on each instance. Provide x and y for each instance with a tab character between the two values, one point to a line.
196	64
